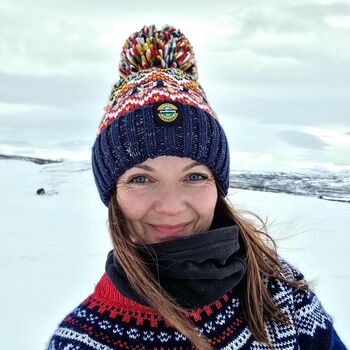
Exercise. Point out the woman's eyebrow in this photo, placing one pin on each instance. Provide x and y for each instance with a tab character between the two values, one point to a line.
191	166
148	168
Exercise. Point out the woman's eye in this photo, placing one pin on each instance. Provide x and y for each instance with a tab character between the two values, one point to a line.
139	179
197	177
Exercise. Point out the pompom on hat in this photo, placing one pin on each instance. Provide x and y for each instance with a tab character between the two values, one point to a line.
157	108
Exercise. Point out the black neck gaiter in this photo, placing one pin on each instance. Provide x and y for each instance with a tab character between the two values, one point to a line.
195	270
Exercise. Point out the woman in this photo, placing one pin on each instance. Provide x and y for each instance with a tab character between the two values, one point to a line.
187	270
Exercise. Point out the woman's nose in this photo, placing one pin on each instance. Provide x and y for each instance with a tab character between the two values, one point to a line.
170	201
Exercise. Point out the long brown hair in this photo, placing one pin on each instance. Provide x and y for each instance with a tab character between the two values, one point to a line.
262	260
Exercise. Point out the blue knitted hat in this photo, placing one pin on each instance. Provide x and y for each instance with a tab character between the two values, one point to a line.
157	108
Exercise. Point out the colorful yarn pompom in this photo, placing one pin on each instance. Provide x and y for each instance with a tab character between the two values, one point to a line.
152	48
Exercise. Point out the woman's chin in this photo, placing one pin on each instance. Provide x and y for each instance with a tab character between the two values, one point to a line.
156	238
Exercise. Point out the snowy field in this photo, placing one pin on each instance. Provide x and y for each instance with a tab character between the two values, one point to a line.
53	247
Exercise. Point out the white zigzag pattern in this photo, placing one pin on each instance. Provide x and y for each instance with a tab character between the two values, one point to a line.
311	316
179	336
282	336
133	333
164	337
260	346
240	341
145	76
148	336
284	295
282	331
83	338
52	346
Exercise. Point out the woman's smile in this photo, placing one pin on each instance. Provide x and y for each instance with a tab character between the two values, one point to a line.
167	230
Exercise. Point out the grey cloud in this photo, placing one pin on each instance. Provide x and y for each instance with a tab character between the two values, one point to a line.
103	12
58	91
313	10
72	144
288	18
342	163
322	156
302	140
316	109
253	20
51	121
13	142
299	32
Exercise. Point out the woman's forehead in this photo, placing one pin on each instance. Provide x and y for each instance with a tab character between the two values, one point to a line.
174	160
168	164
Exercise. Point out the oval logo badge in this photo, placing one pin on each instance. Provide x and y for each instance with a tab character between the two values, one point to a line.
168	112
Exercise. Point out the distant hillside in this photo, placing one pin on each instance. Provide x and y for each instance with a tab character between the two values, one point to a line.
30	159
322	184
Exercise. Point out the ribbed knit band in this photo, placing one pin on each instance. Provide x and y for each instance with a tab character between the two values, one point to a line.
134	137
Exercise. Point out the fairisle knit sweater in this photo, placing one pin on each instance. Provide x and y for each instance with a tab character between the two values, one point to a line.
108	320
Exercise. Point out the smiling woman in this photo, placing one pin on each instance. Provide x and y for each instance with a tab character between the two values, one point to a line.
187	271
172	197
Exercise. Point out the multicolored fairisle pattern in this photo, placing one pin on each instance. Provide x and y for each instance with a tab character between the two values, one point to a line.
155	65
107	320
151	86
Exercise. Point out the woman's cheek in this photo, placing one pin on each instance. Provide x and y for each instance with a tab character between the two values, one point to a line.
133	204
205	194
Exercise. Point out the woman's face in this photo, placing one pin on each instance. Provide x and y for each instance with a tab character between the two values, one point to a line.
167	197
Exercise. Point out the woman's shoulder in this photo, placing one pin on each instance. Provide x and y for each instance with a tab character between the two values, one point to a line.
293	294
287	278
70	330
313	323
290	287
100	312
290	271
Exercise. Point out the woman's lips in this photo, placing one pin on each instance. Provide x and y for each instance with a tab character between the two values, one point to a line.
170	229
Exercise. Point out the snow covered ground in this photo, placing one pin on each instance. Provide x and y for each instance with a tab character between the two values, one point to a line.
53	247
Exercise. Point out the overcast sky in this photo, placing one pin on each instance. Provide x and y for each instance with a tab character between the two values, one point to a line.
276	72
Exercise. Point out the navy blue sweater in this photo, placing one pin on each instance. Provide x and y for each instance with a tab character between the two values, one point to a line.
108	320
